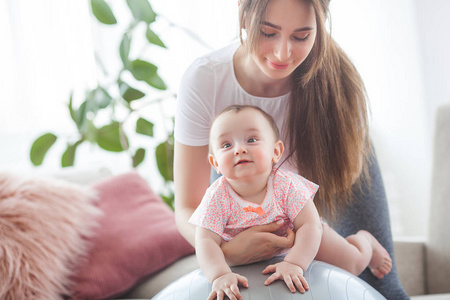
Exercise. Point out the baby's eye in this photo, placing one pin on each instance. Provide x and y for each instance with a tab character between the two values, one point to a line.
251	140
226	145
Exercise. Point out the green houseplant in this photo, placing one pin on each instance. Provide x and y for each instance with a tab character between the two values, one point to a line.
119	94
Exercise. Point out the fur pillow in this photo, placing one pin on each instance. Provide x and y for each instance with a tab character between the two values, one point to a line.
43	225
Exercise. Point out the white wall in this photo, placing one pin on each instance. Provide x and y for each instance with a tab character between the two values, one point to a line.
434	43
381	38
400	48
434	40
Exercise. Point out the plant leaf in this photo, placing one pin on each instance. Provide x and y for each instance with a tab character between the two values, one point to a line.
79	115
156	82
164	160
130	94
144	127
124	50
138	157
153	38
169	199
40	147
142	70
145	71
142	10
90	132
103	12
68	157
110	138
70	106
101	99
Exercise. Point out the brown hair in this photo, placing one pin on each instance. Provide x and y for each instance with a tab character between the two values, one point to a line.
237	108
327	118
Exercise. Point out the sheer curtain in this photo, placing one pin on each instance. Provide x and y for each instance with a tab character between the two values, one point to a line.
48	52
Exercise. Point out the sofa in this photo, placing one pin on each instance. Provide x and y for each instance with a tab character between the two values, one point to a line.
424	266
135	250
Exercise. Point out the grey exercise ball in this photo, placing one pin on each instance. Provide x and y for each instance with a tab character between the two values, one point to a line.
326	282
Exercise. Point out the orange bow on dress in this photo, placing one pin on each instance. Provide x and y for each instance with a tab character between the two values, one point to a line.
257	210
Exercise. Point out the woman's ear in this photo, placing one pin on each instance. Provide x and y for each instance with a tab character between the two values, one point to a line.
213	163
277	151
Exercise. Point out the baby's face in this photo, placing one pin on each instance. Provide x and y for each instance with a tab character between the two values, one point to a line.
243	144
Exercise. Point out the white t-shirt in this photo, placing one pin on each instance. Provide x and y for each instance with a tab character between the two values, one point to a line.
208	86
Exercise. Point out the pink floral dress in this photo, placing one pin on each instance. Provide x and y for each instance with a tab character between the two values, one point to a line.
225	213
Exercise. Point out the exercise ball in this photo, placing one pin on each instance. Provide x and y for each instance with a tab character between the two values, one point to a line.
326	282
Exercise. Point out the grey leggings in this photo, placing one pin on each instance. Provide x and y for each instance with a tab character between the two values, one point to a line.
369	211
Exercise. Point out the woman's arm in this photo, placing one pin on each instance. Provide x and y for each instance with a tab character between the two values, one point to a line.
191	177
256	244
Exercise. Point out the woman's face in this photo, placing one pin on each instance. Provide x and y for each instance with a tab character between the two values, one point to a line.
288	32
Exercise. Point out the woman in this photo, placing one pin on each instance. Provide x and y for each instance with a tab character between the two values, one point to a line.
288	65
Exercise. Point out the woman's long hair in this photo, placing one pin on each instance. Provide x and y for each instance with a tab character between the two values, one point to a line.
327	120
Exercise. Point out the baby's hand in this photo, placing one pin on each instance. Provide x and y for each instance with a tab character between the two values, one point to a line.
290	273
227	284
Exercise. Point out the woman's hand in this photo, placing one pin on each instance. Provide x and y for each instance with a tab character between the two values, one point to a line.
256	244
290	273
227	284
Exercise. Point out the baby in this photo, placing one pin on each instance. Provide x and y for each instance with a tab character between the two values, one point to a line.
244	147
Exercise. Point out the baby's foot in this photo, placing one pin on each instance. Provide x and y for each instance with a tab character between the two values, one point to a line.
381	262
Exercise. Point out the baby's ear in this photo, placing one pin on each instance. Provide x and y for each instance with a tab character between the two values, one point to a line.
277	151
212	160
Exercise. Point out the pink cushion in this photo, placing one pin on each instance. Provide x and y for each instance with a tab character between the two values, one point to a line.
137	237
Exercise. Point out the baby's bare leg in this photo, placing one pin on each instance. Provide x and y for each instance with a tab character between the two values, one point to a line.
354	253
380	264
